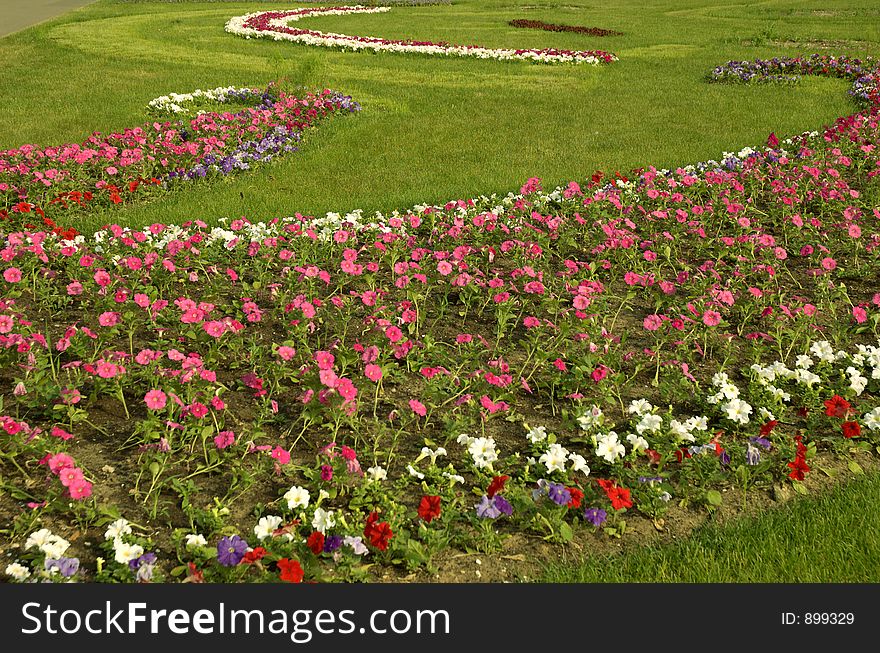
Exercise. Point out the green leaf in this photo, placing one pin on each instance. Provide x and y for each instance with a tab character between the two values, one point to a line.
800	488
855	468
714	498
565	532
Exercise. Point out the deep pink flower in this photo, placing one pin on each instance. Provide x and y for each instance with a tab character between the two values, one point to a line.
155	399
418	407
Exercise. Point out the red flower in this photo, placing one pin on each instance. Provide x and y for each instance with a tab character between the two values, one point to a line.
316	542
195	574
773	140
837	406
619	497
497	485
379	534
291	570
576	497
429	508
653	456
851	429
768	427
799	468
252	556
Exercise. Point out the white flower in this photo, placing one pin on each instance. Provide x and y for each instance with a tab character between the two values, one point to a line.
804	362
714	399
554	458
729	390
195	540
483	451
266	526
699	423
414	472
323	520
537	434
872	419
766	414
649	423
590	419
609	447
806	377
17	571
117	529
464	439
126	552
38	538
681	431
737	411
637	442
720	378
823	351
455	478
639	407
377	473
297	497
579	464
779	393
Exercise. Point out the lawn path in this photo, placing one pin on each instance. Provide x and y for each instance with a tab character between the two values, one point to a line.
20	14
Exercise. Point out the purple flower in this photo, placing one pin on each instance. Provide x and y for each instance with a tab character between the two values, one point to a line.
487	509
332	542
230	550
326	473
67	567
596	516
145	559
753	455
559	494
503	505
761	442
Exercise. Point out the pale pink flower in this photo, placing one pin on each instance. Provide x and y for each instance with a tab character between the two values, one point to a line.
155	399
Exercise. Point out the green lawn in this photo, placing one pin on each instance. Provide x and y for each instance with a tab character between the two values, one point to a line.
832	538
432	129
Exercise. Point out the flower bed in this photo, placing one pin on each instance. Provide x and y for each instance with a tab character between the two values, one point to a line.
274	24
60	182
524	23
307	397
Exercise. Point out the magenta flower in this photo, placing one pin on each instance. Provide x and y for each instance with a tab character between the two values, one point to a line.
224	439
711	318
155	399
418	407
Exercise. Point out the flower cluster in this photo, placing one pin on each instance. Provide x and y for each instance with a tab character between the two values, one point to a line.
275	25
106	170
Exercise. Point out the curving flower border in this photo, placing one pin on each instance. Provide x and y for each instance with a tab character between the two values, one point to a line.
274	24
180	103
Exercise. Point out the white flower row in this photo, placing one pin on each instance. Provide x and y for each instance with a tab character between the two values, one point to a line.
173	102
278	30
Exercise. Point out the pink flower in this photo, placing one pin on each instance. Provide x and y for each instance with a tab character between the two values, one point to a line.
58	432
155	399
286	353
393	334
214	328
70	476
444	268
80	490
324	359
198	410
560	365
60	461
418	407
6	323
373	372
829	263
711	318
599	373
74	288
224	439
652	322
108	319
531	322
328	378
280	455
12	275
860	314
